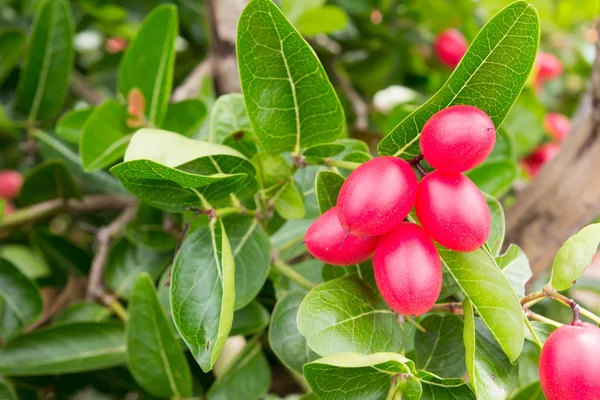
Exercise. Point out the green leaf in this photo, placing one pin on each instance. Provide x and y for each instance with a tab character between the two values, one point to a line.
436	388
363	270
441	350
478	276
70	125
44	79
61	254
574	256
491	373
185	117
496	237
356	376
11	46
228	116
317	153
242	141
167	170
149	60
7	391
248	376
271	169
285	338
28	260
63	349
290	102
530	392
83	311
250	319
20	301
154	356
104	136
542	331
151	236
127	261
47	181
327	188
96	182
490	76
289	202
515	266
326	19
344	315
496	177
294	9
203	292
251	254
310	269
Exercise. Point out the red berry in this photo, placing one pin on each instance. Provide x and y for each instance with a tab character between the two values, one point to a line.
570	363
450	46
548	67
9	208
10	184
557	125
453	211
534	162
457	138
407	269
327	241
377	196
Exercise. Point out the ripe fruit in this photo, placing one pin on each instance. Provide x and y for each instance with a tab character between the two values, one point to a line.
10	184
377	196
570	363
547	67
407	269
557	125
327	241
457	138
534	162
453	211
450	47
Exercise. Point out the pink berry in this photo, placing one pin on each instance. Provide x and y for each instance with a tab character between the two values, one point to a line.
9	208
377	196
557	125
10	184
450	47
570	363
407	269
534	162
327	241
453	211
548	66
457	138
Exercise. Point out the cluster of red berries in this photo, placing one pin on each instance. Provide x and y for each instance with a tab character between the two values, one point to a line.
10	186
377	197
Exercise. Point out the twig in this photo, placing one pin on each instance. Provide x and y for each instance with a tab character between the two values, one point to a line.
540	318
453	308
58	304
191	85
291	274
80	87
535	336
359	106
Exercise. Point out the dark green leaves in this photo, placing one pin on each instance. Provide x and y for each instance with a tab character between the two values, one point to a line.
203	292
290	102
7	391
250	319
490	76
44	79
77	347
574	256
11	45
46	181
327	189
345	315
441	350
149	60
155	358
20	301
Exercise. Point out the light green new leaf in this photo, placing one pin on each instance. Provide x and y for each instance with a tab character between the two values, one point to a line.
250	319
289	203
63	349
515	266
531	392
149	60
284	337
441	351
185	117
44	79
436	388
154	356
324	19
478	275
27	259
83	311
290	102
70	125
316	154
496	237
46	181
496	177
7	391
228	116
203	292
104	136
345	315
294	9
11	46
490	76
20	301
574	256
327	188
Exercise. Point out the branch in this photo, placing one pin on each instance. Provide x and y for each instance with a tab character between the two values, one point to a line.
192	84
88	205
81	88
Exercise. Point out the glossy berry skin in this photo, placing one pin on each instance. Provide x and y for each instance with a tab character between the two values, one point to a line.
377	196
457	138
557	125
327	241
453	211
10	184
408	270
534	162
570	363
450	47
